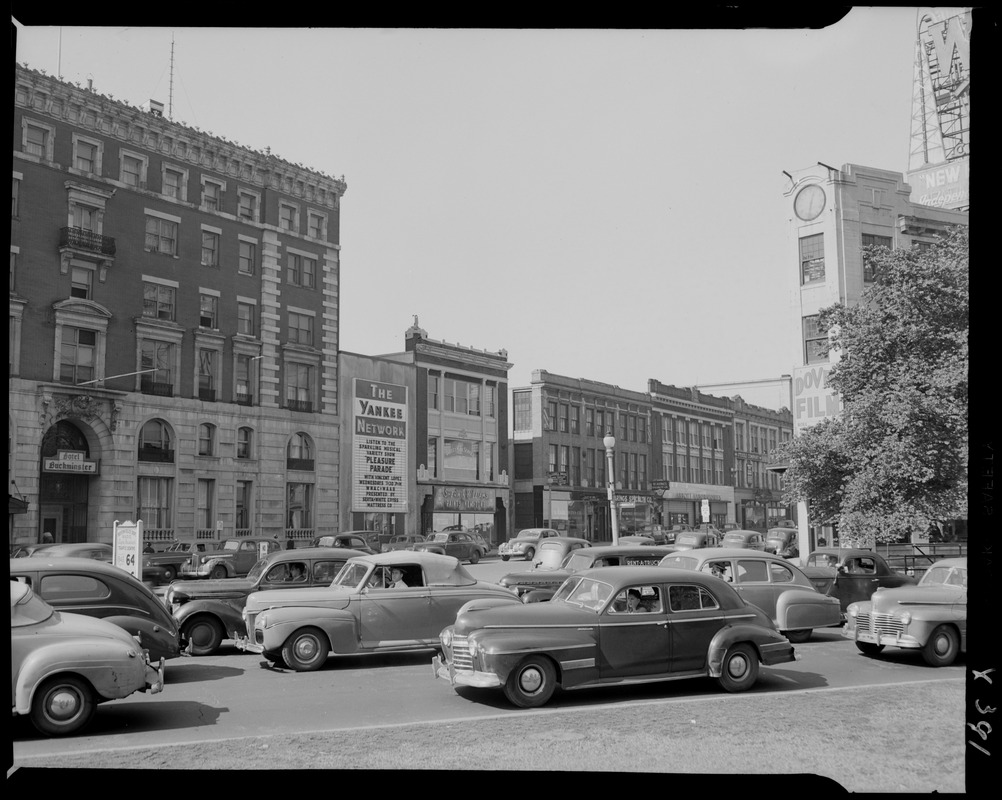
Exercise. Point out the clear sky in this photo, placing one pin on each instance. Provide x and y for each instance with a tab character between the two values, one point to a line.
602	204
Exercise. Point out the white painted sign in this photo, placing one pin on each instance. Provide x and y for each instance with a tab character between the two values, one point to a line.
813	401
127	545
379	447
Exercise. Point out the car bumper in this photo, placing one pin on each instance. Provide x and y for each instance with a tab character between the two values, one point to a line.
246	645
188	572
882	639
448	672
155	677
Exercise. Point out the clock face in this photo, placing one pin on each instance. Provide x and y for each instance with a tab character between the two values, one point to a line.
809	202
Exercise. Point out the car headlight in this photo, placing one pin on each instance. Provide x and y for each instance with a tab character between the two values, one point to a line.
906	617
445	637
852	611
262	621
473	647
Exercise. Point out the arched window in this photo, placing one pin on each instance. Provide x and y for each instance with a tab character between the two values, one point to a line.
245	442
156	442
299	452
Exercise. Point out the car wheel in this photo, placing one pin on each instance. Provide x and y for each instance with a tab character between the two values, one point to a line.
798	637
274	657
942	648
529	554
218	572
306	650
62	705
205	635
740	668
474	556
532	683
505	558
869	648
170	573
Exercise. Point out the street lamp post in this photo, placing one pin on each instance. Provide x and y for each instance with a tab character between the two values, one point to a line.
610	445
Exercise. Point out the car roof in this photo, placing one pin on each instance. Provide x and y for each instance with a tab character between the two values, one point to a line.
438	568
552	540
36	563
535	530
626	549
741	532
843	551
707	553
959	561
312	552
622	576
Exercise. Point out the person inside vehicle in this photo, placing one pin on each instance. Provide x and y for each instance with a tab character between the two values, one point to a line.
377	581
397	579
719	569
296	573
633	602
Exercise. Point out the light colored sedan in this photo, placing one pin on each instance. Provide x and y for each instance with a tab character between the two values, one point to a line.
779	588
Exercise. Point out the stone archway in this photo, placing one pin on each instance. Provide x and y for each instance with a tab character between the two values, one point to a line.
65	473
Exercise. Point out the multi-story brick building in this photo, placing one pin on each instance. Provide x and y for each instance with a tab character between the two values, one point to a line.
173	326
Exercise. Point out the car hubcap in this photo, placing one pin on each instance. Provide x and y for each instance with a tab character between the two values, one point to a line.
942	645
737	666
306	649
530	680
63	705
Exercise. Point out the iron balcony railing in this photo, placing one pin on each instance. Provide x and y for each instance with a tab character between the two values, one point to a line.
83	239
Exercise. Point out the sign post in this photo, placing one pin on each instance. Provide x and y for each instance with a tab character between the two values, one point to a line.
127	546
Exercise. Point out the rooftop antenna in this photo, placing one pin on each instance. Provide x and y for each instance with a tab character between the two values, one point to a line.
59	55
170	93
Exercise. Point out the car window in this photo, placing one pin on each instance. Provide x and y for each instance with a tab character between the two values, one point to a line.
583	592
646	599
719	569
957	577
324	571
72	588
690	598
679	562
752	572
861	566
231	544
780	573
351	574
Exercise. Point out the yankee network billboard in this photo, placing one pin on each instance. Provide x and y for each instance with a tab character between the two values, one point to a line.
379	447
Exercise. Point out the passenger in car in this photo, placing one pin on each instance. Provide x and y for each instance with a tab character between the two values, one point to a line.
633	602
397	579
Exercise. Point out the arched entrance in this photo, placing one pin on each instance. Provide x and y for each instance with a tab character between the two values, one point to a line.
64	485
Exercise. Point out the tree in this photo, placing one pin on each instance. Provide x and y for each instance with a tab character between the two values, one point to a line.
896	458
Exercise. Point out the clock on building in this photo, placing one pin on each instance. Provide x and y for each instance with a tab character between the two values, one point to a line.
809	202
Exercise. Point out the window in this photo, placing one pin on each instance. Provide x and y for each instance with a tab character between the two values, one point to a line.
815	341
490	402
633	428
522	411
550	416
212	193
302	270
642	430
299	381
85	217
461	460
689	598
812	258
753	437
247	258
706	435
210	248
752	572
205	513
433	386
132	171
208	316
247	203
161	235
153	506
589	422
159	301
299	452
299	505
246	318
77	356
15	193
242	505
37	139
208	368
245	441
562	418
206	439
739	436
489	461
155	442
433	457
82	282
622	428
175	183
244	379
316	224
86	155
666	430
461	397
157	366
551	460
288	217
300	328
872	240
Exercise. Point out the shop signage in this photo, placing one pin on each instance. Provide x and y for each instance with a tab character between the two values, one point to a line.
71	461
379	447
463	498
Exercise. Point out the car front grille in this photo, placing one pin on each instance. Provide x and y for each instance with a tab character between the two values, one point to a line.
461	658
881	624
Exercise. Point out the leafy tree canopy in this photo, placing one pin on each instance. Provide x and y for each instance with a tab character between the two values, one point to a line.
896	458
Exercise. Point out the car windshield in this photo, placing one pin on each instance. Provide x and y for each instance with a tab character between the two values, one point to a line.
679	562
352	574
527	535
687	538
822	560
584	593
734	537
257	569
231	544
948	576
576	562
438	537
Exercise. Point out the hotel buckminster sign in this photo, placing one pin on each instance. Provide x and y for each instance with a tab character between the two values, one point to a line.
379	447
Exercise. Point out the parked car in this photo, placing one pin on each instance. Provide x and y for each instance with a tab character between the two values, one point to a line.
852	574
539	585
731	526
64	665
637	539
782	541
554	550
694	626
402	542
691	540
748	540
458	544
353	540
173	557
25	550
525	544
98	551
479	537
769	582
206	612
930	617
96	589
355	615
233	559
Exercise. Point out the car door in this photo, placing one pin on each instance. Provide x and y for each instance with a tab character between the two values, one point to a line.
634	643
751	581
693	620
856	579
389	617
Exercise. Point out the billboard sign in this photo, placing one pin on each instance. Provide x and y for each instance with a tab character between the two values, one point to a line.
813	401
379	447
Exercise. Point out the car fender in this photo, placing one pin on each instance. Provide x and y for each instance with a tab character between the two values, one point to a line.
230	617
162	642
728	636
340	626
806	608
501	651
106	666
